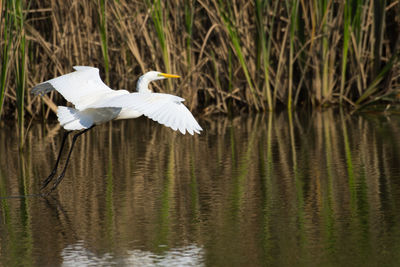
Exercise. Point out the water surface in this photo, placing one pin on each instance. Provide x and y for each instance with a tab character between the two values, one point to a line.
273	190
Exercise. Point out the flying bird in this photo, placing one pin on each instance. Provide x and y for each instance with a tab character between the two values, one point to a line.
96	103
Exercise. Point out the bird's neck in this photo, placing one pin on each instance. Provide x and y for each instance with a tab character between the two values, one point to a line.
143	85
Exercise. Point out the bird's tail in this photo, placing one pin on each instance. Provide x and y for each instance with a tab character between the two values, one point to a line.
73	119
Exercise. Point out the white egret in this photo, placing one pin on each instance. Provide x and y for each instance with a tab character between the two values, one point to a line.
96	103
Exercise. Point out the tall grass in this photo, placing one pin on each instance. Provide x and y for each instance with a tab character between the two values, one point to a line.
158	8
189	17
5	24
103	35
233	56
229	21
13	42
20	63
263	49
293	24
346	45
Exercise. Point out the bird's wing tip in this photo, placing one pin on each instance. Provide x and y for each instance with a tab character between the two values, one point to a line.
78	68
42	89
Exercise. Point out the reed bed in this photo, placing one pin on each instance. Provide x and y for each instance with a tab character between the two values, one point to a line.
234	55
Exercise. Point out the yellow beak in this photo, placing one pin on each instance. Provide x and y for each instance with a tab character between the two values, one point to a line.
166	75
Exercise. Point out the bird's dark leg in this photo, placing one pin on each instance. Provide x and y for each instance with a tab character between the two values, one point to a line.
53	172
61	176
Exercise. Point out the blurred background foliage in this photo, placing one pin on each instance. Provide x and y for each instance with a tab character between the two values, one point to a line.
234	56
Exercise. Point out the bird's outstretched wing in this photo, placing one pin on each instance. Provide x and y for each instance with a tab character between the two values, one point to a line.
81	87
164	108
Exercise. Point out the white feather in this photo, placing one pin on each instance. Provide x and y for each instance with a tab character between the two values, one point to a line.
96	103
81	87
71	119
156	106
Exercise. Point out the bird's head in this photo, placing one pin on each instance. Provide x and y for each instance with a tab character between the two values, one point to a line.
143	82
156	75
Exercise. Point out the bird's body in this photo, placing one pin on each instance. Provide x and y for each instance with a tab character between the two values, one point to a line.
96	103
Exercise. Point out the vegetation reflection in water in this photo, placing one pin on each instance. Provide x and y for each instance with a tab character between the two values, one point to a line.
280	189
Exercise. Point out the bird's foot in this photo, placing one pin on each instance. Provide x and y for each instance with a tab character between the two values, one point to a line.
48	180
57	181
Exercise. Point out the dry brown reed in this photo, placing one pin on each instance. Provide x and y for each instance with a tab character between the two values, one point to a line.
233	55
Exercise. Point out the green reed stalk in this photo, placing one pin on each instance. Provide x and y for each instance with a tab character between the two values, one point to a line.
20	64
157	16
229	103
230	70
325	50
373	87
346	44
302	61
293	23
189	17
103	37
216	72
220	102
6	24
265	45
227	19
379	22
354	36
357	33
356	24
158	20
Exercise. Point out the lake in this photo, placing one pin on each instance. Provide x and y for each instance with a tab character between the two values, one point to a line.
320	189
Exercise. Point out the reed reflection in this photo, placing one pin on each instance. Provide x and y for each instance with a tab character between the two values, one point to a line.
283	189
